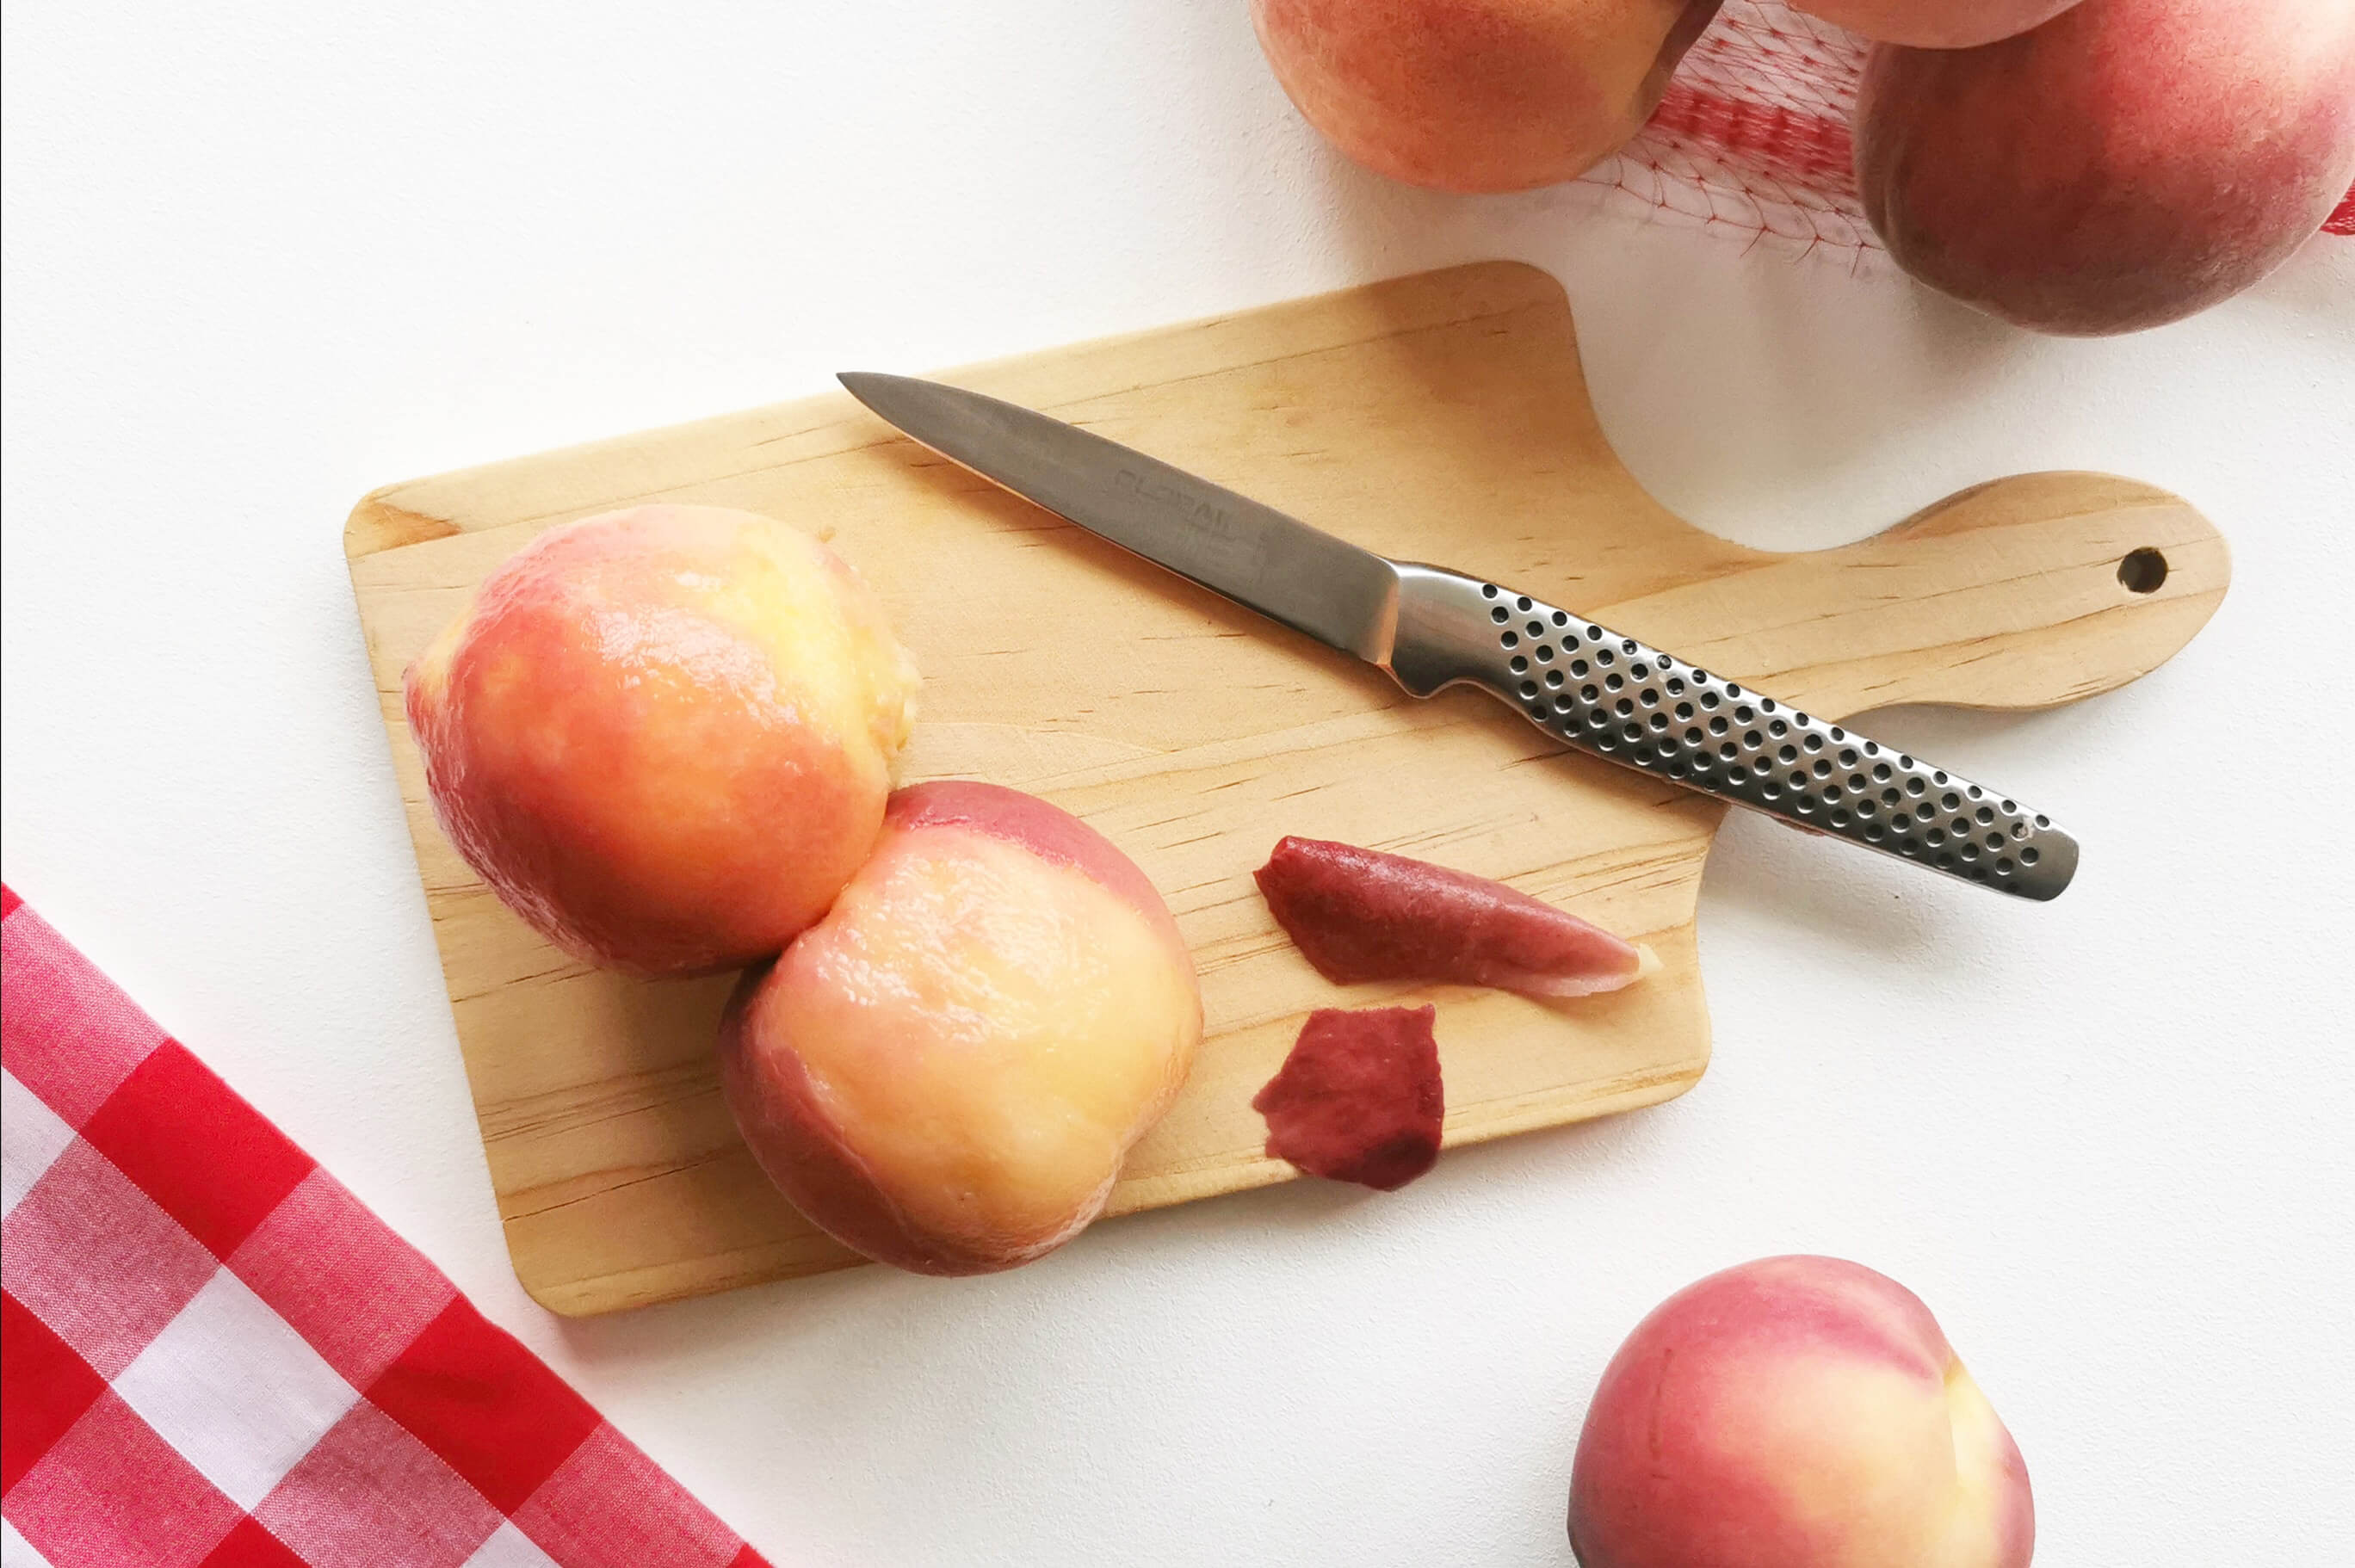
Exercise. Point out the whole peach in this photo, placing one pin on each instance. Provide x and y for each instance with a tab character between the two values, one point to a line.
1935	24
1794	1413
664	736
2125	164
1477	95
945	1072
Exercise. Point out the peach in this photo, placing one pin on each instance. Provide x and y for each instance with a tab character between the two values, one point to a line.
1794	1413
945	1072
2125	164
1935	24
1477	95
664	736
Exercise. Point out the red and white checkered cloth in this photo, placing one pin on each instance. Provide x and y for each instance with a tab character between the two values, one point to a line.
213	1357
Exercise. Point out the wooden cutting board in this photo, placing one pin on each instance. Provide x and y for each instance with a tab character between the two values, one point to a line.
1441	418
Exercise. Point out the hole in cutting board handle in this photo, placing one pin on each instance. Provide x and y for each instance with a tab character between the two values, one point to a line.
2142	570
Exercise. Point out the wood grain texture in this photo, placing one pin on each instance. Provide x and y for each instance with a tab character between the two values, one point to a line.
1441	417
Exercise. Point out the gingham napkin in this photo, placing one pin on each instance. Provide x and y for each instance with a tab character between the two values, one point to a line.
213	1357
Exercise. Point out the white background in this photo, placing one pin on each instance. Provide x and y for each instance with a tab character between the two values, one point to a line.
261	257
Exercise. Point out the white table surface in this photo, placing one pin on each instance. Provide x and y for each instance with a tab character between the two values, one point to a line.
262	256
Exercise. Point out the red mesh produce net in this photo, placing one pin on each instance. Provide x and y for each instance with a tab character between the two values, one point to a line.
1753	136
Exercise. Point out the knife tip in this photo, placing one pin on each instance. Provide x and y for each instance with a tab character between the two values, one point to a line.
866	386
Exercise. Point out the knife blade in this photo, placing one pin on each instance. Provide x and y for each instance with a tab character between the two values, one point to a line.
1613	696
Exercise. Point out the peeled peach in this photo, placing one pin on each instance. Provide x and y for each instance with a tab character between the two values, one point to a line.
1477	95
2125	164
664	736
945	1072
1935	24
1796	1412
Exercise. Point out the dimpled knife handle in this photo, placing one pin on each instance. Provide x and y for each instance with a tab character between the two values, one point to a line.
1627	702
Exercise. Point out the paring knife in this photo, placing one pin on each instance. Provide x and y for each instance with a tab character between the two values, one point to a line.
1614	697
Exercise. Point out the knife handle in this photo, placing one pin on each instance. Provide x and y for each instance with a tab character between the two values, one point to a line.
1621	700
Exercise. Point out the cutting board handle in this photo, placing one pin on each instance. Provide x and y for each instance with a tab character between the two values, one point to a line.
2024	592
